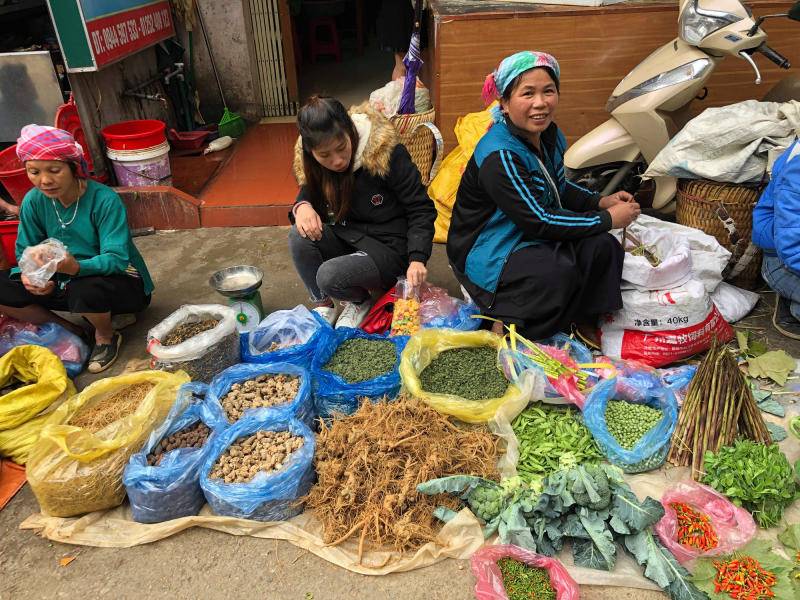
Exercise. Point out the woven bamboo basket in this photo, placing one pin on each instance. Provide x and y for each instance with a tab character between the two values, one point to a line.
698	204
422	140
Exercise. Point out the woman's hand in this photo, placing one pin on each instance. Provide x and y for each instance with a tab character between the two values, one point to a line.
38	291
623	214
416	273
308	223
69	265
615	198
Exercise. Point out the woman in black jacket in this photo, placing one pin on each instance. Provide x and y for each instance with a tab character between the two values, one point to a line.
362	216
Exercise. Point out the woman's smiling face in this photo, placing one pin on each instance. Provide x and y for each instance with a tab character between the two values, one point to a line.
532	103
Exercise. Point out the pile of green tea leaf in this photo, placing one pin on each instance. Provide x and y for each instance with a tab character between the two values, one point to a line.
471	373
360	359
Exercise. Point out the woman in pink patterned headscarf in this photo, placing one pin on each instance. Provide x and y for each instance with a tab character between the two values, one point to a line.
103	273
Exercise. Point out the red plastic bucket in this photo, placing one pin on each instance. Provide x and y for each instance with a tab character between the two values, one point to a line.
135	135
8	241
13	175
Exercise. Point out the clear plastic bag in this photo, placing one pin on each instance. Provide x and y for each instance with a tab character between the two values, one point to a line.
73	470
651	450
440	310
733	525
171	489
203	355
301	407
70	348
332	394
490	581
293	333
406	313
678	379
269	496
39	263
423	347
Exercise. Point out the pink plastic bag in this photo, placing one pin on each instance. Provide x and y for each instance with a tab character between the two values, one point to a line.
490	581
733	525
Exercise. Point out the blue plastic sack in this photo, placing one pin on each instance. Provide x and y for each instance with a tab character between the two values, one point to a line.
678	379
70	348
332	394
461	319
284	326
268	497
171	489
651	450
302	407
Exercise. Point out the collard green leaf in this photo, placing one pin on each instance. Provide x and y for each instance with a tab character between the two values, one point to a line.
586	554
602	538
775	365
772	406
574	528
776	432
661	566
618	525
513	529
454	484
444	514
636	515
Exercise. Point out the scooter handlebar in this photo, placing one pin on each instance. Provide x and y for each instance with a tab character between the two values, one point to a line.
775	56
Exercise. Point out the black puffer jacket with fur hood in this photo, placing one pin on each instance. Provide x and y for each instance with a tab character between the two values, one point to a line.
391	215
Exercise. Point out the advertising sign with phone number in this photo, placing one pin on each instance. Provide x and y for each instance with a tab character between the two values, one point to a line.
95	33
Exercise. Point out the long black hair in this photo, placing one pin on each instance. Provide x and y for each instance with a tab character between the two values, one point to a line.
321	119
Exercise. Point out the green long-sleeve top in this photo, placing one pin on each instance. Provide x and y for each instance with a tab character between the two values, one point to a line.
98	238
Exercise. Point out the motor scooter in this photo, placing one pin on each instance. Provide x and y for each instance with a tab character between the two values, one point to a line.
651	104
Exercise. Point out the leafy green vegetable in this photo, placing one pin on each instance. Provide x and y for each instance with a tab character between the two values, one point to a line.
766	401
794	426
750	346
634	514
776	432
761	550
791	537
661	566
775	365
755	476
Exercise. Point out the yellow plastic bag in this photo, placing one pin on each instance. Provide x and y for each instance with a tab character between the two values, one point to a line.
469	130
48	381
72	470
426	345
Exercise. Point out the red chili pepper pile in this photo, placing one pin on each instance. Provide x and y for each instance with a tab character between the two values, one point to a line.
744	579
694	528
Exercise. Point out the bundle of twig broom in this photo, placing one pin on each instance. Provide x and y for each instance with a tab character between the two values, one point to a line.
719	407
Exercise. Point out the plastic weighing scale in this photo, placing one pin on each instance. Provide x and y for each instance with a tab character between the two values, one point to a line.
240	285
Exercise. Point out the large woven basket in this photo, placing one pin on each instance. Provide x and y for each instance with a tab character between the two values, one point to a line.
706	205
423	140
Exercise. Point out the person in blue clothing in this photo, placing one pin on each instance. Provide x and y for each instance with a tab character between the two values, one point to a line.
530	247
776	230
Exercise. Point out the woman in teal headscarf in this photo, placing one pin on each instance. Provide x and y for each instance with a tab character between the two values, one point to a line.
531	247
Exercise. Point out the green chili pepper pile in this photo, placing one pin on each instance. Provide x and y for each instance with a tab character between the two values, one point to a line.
545	435
360	359
471	373
523	582
628	422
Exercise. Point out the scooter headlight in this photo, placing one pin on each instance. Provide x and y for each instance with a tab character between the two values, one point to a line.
697	23
682	74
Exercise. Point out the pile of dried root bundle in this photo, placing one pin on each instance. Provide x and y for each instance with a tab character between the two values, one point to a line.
369	465
719	408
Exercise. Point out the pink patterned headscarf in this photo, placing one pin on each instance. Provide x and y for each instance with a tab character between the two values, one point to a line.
509	68
39	142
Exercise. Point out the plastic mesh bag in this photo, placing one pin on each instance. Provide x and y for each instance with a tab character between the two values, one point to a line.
423	347
39	263
73	470
171	489
201	356
284	336
490	581
651	450
332	394
269	496
733	525
301	407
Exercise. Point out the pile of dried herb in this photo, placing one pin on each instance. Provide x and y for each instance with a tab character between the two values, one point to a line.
470	373
184	331
719	408
523	582
370	463
360	359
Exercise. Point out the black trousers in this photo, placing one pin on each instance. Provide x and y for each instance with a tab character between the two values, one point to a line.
116	294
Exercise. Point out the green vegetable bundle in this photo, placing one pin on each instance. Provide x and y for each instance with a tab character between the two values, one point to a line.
755	476
547	434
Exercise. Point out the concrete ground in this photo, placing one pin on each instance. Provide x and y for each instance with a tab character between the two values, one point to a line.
205	564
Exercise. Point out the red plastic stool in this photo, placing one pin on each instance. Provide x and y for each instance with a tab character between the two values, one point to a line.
329	46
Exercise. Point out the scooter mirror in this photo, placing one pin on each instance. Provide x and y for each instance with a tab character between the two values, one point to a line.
794	12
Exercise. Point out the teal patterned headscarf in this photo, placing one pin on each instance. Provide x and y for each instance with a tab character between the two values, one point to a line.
508	70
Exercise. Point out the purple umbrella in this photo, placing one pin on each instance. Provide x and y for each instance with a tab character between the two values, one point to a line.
413	63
